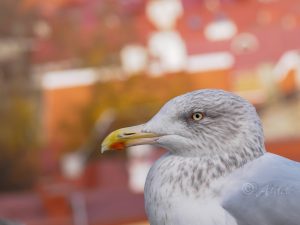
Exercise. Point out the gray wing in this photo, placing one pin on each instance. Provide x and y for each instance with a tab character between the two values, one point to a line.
265	192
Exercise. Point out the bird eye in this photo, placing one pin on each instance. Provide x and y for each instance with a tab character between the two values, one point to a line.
197	116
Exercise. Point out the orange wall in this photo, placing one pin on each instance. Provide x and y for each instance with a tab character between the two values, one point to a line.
61	107
288	85
220	79
288	147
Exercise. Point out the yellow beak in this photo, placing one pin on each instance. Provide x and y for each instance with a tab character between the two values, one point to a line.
126	137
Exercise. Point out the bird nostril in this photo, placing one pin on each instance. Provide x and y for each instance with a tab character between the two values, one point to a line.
128	134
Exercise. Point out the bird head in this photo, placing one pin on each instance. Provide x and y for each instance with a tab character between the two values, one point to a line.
197	123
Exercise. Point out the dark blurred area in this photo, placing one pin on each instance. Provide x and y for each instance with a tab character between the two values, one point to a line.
71	71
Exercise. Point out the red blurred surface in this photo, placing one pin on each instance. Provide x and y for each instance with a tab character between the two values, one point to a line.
289	148
103	186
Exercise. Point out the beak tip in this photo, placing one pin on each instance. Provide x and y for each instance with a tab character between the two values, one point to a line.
104	148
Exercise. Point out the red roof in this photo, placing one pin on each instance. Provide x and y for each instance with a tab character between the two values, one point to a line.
276	26
264	20
113	27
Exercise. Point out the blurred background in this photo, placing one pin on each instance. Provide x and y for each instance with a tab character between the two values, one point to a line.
71	71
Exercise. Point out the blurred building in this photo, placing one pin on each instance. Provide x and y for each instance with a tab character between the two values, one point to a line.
247	46
235	37
237	45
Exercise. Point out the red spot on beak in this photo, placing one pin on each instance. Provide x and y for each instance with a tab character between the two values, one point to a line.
118	146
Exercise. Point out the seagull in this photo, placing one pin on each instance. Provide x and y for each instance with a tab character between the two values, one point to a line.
216	170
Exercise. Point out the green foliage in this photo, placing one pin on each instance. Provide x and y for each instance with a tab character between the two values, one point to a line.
133	101
18	141
137	99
